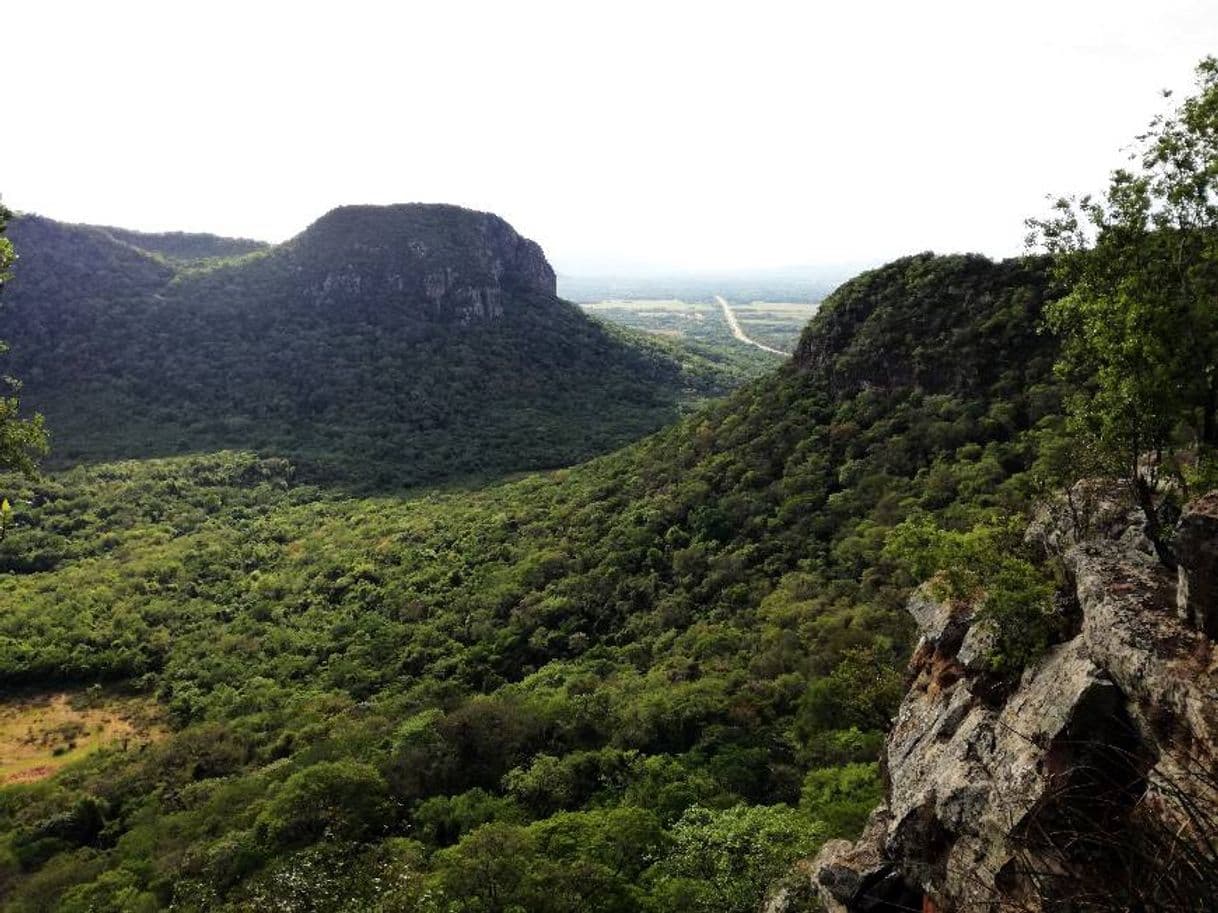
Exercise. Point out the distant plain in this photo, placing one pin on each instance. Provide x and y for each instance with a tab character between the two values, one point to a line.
773	323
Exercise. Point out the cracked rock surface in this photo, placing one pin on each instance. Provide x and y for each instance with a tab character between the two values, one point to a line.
1098	765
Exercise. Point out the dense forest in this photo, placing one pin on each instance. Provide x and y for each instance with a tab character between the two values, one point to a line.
649	682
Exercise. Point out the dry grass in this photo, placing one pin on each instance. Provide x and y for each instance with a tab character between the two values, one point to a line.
41	733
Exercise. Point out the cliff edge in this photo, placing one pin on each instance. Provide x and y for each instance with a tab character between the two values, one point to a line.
1091	783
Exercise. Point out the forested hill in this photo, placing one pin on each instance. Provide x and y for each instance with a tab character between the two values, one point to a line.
962	325
384	345
650	682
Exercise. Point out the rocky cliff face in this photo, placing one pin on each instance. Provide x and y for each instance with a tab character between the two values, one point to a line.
1089	784
459	264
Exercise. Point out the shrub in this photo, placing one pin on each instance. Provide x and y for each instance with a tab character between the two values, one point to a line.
988	566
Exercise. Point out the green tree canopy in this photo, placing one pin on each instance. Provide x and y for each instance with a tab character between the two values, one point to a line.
22	441
1139	326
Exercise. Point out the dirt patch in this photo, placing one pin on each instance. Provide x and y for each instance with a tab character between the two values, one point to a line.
41	733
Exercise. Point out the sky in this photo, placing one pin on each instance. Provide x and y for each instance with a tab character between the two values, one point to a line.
625	137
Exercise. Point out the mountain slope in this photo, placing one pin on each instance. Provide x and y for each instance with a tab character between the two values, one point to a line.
650	682
385	344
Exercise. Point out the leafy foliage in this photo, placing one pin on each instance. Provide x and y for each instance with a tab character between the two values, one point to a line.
1139	326
23	441
725	860
990	568
343	800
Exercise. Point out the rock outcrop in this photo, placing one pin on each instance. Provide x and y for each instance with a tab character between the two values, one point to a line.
458	264
1089	784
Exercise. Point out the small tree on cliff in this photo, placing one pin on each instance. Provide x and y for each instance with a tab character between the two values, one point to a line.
22	441
1139	326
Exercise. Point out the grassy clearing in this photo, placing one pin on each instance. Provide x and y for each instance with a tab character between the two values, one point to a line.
41	733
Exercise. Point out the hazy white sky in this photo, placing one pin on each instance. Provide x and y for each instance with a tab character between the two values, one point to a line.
693	135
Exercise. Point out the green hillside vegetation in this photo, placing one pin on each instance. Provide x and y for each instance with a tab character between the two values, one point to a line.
23	438
650	682
355	349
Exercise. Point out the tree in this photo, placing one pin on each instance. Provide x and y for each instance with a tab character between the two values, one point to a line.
485	872
22	441
346	800
722	861
1139	326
